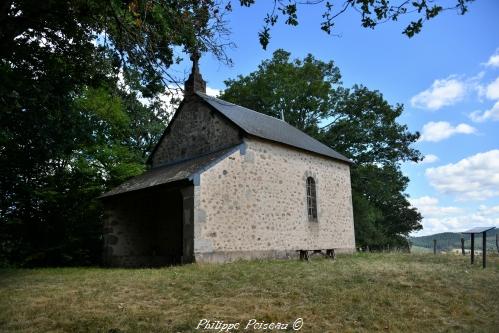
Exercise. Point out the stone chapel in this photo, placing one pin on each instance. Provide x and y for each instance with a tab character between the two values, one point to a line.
224	183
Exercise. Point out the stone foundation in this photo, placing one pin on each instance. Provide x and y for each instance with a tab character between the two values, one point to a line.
230	256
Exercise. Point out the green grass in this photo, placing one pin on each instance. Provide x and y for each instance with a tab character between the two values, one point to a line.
359	293
419	249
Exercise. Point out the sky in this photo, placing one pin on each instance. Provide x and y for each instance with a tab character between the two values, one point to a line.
447	77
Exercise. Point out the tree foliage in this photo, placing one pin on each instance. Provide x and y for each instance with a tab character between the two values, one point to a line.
372	13
302	89
57	160
356	122
69	130
148	36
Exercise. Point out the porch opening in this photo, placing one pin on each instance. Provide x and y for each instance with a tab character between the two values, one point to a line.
145	228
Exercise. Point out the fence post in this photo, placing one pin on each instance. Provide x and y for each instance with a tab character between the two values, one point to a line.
472	249
434	246
484	249
497	242
462	245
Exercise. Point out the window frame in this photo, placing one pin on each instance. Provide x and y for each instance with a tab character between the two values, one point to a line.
311	188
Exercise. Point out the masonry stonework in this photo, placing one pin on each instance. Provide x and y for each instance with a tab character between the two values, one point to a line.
252	204
236	193
196	130
142	229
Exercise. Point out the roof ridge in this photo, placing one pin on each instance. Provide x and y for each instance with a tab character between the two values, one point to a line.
274	129
240	106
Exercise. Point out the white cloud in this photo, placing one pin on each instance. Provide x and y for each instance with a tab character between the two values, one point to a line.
492	90
430	158
438	219
488	211
212	91
441	93
493	60
458	223
473	178
441	130
428	207
474	83
169	100
491	114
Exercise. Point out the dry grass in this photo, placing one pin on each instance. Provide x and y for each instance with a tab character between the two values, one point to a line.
359	293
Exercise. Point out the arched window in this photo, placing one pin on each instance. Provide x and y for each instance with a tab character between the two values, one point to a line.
311	199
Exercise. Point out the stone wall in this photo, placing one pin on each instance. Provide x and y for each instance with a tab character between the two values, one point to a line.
253	204
195	130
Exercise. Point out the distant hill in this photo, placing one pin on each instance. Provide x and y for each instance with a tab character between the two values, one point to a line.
452	240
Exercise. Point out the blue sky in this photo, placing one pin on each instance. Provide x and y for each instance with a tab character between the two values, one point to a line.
445	76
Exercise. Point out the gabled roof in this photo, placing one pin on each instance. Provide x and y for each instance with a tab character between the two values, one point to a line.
168	173
270	128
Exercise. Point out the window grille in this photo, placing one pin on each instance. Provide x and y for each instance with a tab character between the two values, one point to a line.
311	199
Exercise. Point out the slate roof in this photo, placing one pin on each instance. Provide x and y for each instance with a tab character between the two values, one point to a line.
167	173
478	230
270	128
251	122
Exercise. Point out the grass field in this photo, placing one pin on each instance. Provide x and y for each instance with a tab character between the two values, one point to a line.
420	250
358	293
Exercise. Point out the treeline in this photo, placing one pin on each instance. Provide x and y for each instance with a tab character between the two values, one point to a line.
450	240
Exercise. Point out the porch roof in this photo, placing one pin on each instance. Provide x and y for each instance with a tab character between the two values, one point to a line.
167	173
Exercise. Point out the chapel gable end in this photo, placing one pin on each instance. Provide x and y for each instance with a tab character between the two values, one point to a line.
195	130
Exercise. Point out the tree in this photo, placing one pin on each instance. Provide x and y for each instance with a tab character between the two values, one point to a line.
72	123
372	13
364	127
302	89
56	162
356	122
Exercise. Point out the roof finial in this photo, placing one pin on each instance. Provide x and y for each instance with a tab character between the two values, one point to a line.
195	60
195	81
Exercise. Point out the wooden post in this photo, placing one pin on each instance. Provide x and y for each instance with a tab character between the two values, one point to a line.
462	245
484	249
434	246
304	255
331	254
497	242
472	249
